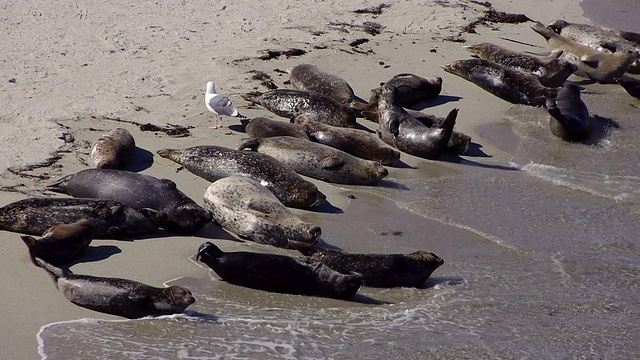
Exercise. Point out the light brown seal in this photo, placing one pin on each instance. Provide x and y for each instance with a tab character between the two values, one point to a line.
318	161
310	78
591	63
262	127
552	72
113	150
412	89
291	103
62	243
120	297
243	206
352	141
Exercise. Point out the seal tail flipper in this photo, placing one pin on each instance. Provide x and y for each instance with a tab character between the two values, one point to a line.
59	186
249	143
359	105
304	248
252	97
54	272
543	30
450	120
244	122
30	241
168	153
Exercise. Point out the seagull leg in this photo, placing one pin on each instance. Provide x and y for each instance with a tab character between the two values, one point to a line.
219	121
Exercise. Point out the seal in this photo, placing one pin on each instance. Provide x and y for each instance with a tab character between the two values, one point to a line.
412	89
137	190
591	63
596	37
552	72
318	161
402	131
215	162
569	114
356	142
378	270
243	206
110	219
120	297
262	127
630	84
310	78
291	103
60	244
113	150
516	87
279	273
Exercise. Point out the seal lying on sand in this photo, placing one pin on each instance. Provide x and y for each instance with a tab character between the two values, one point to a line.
352	141
279	273
378	270
630	84
310	78
601	39
412	89
262	127
291	103
400	130
569	115
516	87
243	206
592	64
318	161
137	190
61	243
120	297
552	72
113	150
110	219
215	162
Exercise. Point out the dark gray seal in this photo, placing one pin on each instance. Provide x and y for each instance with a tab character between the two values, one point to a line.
402	131
279	273
378	270
291	103
110	219
215	162
630	84
243	206
137	190
113	150
352	141
458	144
318	161
591	63
552	72
120	297
569	114
516	87
310	78
262	127
60	244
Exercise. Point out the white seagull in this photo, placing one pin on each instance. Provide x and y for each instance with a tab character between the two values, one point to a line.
219	105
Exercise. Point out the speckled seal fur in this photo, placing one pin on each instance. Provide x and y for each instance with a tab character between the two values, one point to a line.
310	78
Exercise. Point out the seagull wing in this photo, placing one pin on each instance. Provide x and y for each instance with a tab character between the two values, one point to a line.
223	106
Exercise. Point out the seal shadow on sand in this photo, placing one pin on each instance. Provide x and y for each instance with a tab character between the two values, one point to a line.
325	207
600	128
142	160
96	253
440	100
460	160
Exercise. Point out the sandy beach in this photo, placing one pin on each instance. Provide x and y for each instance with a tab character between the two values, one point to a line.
76	70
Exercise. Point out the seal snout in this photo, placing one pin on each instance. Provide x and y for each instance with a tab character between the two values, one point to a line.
314	232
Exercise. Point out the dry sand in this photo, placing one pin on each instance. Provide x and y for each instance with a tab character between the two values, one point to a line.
76	67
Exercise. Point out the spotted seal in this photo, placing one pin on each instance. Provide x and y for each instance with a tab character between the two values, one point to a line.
215	162
137	190
311	78
569	114
318	161
120	297
279	273
113	150
262	127
402	131
352	141
291	103
516	87
552	72
60	244
110	219
243	206
591	63
378	270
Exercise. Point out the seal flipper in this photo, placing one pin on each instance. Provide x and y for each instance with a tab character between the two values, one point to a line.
60	186
30	241
54	272
249	143
450	120
332	163
394	127
252	97
590	61
304	248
